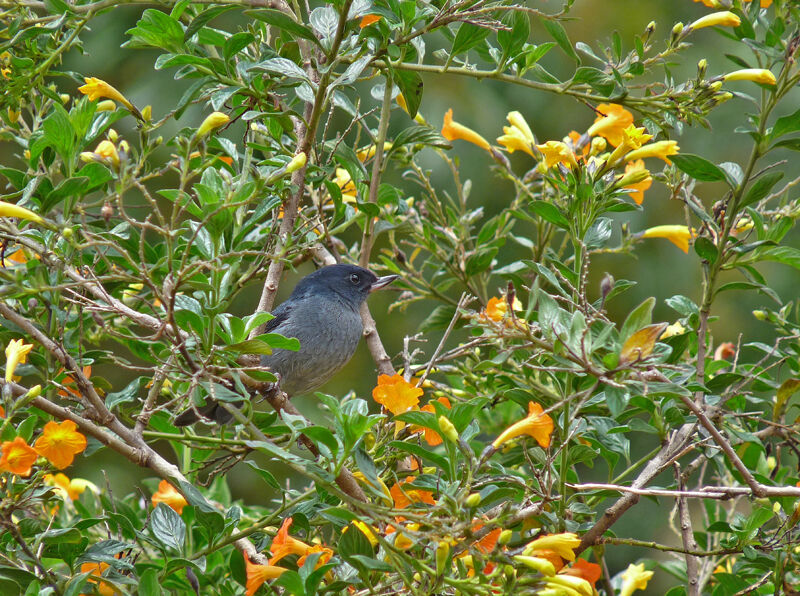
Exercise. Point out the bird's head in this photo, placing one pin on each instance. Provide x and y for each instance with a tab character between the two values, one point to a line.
351	282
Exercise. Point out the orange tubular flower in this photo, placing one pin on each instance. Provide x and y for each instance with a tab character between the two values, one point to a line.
70	384
396	394
284	545
582	568
368	20
104	588
317	548
60	443
168	495
97	88
18	457
536	424
678	235
611	125
431	436
555	152
638	188
258	574
452	130
405	497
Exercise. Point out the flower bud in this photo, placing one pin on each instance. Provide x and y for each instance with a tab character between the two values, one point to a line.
107	105
757	75
760	315
651	27
505	537
599	145
447	429
112	135
677	30
147	113
64	97
13	115
297	162
212	122
442	554
702	65
473	500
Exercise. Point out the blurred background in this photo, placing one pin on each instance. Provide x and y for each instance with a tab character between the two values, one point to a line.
659	268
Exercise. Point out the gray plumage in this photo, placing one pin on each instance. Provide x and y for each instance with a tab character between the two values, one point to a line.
323	314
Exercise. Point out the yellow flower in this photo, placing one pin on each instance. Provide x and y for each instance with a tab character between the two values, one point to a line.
365	529
401	101
678	235
106	150
724	18
18	457
16	353
675	329
69	489
636	169
169	495
258	574
537	424
634	578
611	125
369	152
11	210
660	149
96	88
543	566
518	136
345	182
563	545
60	443
453	130
212	122
577	585
556	152
396	394
757	75
368	20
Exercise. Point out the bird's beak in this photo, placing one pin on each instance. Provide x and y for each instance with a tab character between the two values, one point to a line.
382	282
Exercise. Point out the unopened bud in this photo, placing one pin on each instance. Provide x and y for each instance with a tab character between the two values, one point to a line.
67	233
505	537
112	135
447	429
298	161
702	65
651	26
107	105
147	113
598	145
64	97
677	30
760	315
13	115
473	500
442	554
107	211
212	122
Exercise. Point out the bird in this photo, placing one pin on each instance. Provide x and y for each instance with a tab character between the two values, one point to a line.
322	312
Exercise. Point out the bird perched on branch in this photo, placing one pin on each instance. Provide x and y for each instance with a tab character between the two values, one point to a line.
323	314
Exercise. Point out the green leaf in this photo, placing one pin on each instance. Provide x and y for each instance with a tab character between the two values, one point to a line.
424	453
640	317
595	78
148	583
761	188
559	34
785	125
549	212
58	132
283	22
706	249
204	17
156	29
410	84
283	66
467	37
354	542
168	527
782	254
698	167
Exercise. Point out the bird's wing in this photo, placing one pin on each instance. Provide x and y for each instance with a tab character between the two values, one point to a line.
281	314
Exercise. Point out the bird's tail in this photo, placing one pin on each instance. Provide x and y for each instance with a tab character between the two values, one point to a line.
211	411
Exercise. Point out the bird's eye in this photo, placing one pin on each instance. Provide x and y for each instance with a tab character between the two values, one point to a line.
355	278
